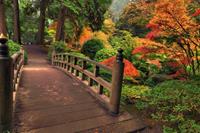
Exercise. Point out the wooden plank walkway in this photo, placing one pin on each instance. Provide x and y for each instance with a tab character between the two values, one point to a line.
49	101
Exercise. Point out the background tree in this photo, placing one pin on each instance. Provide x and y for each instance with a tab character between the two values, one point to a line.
135	16
60	24
40	34
3	19
16	21
173	22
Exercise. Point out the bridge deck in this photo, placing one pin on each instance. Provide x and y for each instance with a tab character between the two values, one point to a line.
49	101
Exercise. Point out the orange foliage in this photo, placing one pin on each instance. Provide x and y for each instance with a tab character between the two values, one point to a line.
86	35
151	47
129	69
171	16
53	26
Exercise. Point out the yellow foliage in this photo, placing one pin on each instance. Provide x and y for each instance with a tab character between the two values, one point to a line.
109	26
103	37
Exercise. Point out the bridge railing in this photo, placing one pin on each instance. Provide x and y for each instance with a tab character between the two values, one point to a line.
78	67
17	65
10	71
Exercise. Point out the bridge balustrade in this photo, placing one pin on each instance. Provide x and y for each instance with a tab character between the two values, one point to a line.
108	92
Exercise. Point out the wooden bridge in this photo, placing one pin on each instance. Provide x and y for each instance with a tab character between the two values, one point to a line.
62	97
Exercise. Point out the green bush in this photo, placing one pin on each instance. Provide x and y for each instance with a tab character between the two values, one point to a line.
78	54
124	40
132	92
58	47
174	103
25	57
13	47
91	47
104	54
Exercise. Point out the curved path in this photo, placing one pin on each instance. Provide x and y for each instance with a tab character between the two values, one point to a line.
49	101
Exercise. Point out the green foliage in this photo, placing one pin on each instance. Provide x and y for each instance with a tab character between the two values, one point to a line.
94	12
124	40
58	47
131	92
78	54
13	47
91	47
104	54
25	57
175	103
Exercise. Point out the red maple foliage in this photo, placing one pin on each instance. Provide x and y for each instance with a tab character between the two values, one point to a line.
197	13
152	35
154	31
129	69
142	50
152	26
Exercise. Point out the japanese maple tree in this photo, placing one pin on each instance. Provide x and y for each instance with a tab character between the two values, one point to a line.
172	19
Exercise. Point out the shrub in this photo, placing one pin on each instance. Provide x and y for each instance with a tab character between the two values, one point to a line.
13	47
58	47
91	47
124	40
174	103
132	92
78	54
103	37
104	54
25	57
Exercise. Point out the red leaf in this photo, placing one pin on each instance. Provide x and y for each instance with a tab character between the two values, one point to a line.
197	13
129	69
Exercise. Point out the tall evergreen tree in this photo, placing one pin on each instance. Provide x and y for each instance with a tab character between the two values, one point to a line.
3	19
16	36
40	34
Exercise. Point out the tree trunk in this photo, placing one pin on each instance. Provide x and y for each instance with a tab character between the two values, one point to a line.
40	34
16	37
2	19
60	25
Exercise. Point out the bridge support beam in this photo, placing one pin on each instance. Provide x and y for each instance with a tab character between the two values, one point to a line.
117	79
6	95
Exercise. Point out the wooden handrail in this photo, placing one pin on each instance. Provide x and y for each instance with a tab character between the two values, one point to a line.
17	64
77	66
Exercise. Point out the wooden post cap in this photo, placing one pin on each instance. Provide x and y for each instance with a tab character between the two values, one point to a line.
120	55
3	47
3	38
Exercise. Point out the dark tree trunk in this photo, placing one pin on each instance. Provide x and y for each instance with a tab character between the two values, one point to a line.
16	37
2	19
40	34
60	24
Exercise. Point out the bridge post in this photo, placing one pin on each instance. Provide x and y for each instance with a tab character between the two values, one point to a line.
53	58
6	95
117	79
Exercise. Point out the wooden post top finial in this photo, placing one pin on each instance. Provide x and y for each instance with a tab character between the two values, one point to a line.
3	38
120	55
3	47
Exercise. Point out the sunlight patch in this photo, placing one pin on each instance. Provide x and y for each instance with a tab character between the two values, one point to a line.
35	69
